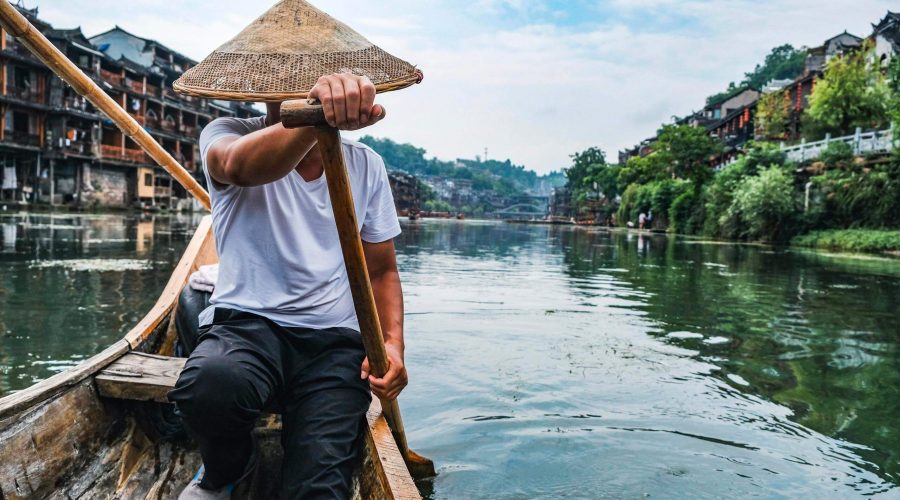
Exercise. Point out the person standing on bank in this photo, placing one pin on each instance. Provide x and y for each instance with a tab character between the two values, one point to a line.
281	330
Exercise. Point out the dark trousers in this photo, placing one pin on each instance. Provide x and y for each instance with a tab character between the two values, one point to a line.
245	363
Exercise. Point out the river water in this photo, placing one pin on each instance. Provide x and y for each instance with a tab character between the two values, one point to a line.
554	361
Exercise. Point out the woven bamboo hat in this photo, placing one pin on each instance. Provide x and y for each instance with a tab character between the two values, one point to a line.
282	54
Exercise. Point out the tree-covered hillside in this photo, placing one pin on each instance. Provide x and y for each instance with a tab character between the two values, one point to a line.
502	177
782	63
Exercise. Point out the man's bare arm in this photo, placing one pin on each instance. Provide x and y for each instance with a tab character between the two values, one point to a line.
271	153
381	260
258	158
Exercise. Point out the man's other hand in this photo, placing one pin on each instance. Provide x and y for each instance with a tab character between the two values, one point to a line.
348	101
389	386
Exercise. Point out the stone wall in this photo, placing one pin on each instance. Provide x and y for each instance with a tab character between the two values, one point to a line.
107	187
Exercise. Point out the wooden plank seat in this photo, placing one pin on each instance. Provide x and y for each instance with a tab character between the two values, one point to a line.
139	376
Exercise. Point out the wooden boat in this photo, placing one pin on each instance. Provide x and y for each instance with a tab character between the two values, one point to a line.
102	429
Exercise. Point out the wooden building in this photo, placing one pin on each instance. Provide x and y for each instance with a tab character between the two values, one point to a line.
407	193
55	147
886	38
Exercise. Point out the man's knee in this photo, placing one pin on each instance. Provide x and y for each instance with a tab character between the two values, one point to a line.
217	390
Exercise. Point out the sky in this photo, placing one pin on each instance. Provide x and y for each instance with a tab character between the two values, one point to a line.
529	80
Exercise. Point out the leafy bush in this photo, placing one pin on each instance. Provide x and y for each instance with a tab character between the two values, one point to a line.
686	213
655	197
717	198
858	198
760	154
437	206
837	153
853	240
664	194
637	198
764	205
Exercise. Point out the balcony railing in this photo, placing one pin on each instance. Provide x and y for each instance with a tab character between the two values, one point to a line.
78	103
19	50
23	138
24	93
111	77
135	155
77	148
168	125
189	130
162	191
136	86
877	141
152	90
119	153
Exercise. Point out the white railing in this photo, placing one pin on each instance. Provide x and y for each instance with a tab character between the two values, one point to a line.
879	141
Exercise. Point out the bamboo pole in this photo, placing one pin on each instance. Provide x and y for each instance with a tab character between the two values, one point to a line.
15	23
302	113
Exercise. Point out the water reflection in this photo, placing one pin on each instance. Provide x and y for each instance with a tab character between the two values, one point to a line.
71	284
548	361
820	339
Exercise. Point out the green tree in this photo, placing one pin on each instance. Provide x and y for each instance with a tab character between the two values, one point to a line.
606	179
581	165
642	170
586	166
893	85
772	115
852	94
687	151
765	204
782	63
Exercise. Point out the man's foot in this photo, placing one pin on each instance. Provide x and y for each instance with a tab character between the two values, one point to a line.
195	492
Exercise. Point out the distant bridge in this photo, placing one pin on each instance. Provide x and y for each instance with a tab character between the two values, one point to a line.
522	211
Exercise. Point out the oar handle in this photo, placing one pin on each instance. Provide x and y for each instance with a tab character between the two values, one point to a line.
304	113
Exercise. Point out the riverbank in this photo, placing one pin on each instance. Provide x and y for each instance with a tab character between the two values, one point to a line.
14	207
852	240
873	241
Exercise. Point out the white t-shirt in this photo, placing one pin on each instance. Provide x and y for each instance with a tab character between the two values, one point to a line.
279	253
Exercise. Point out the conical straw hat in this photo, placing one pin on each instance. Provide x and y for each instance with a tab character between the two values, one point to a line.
282	54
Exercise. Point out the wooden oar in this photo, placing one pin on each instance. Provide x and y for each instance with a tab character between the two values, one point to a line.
305	114
15	23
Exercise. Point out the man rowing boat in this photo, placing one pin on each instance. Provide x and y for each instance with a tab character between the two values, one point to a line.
281	331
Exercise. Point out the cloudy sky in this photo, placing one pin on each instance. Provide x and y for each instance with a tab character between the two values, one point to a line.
530	80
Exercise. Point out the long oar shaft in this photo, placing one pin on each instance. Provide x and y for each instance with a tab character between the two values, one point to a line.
329	142
15	23
300	114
